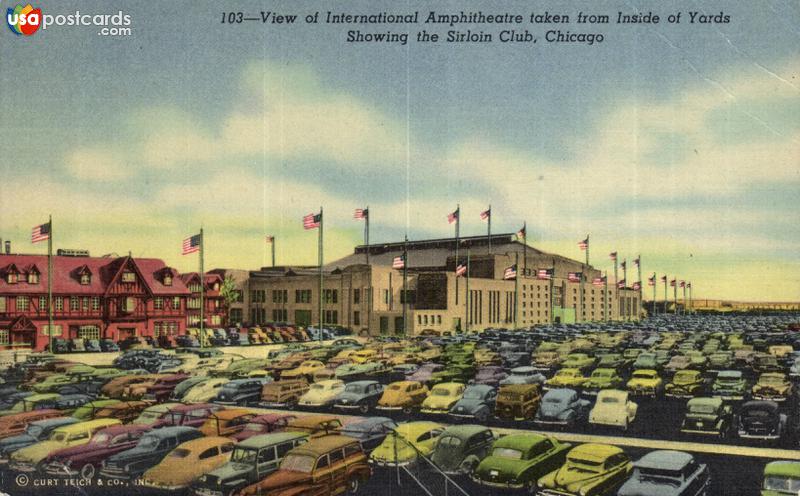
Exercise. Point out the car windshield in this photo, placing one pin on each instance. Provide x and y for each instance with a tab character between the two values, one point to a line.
771	380
147	418
148	442
254	427
702	409
440	392
609	399
670	477
318	387
395	387
58	436
508	453
34	430
473	394
354	388
179	453
601	373
553	399
783	484
298	463
449	442
642	375
580	465
244	455
101	438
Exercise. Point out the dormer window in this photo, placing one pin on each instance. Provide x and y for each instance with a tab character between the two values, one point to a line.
11	278
216	286
86	279
167	279
33	278
128	276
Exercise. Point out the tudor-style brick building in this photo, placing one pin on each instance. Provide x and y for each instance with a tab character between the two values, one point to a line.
97	297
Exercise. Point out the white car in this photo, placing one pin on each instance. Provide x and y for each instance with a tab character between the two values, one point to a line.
613	408
205	391
322	393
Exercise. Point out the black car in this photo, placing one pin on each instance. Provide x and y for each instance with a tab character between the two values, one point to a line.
92	345
562	407
241	391
761	420
108	345
187	341
370	431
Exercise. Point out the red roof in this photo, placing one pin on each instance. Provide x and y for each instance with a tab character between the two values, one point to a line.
103	271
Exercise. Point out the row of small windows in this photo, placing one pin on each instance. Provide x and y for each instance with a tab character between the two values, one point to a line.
422	319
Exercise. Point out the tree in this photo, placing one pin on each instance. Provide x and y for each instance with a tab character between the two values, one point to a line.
229	293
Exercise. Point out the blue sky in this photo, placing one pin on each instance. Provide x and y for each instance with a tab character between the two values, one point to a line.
679	142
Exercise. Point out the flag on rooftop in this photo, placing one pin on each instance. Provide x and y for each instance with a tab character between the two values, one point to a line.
486	214
574	276
191	244
599	281
40	233
461	269
399	262
584	244
621	284
683	284
637	286
672	282
522	232
637	261
544	274
510	272
651	281
663	278
270	239
624	264
452	216
612	255
312	221
361	213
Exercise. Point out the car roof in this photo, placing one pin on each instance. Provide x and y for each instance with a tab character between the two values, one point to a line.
205	442
418	427
670	460
783	468
55	421
310	420
716	402
229	413
518	388
593	451
170	431
519	442
91	424
324	444
464	431
272	438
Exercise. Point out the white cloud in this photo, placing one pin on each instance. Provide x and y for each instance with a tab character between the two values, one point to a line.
97	164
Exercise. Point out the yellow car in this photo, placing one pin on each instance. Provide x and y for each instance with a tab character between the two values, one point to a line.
403	395
400	448
442	397
187	462
567	378
645	382
27	459
305	370
364	356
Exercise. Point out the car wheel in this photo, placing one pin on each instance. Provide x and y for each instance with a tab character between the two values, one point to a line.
352	485
407	410
363	408
87	471
482	417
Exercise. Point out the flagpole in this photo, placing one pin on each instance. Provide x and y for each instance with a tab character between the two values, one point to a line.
691	303
684	297
587	250
625	280
583	317
50	282
366	232
516	289
319	260
605	296
552	296
489	230
467	297
675	295
273	251
458	223
405	288
666	300
655	310
202	292
525	250
616	283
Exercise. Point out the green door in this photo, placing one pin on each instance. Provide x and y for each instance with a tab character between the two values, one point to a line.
384	325
398	325
302	317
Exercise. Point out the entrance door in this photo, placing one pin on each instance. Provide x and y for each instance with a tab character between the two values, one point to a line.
384	325
457	323
398	325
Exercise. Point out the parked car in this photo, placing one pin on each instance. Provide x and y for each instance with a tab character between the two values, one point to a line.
188	461
442	397
370	431
36	431
780	478
15	424
252	460
204	391
517	401
29	459
730	384
226	422
490	375
566	378
685	384
613	408
518	461
322	394
602	378
580	361
242	392
563	407
760	419
590	470
645	382
263	424
523	375
773	386
124	411
460	448
148	452
360	395
667	472
84	460
315	425
401	447
477	402
708	416
283	393
301	471
403	395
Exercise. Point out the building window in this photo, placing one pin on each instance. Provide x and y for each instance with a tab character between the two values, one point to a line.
236	315
59	304
128	276
85	304
330	296
158	303
11	278
356	318
85	279
176	302
22	303
167	279
193	303
74	304
33	278
4	336
356	296
386	296
89	332
331	317
128	304
95	303
302	296
438	319
43	303
217	320
2	304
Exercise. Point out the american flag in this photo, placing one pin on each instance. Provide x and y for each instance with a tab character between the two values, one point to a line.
399	262
689	285
574	277
544	274
624	264
521	233
651	281
270	239
664	279
683	284
40	233
621	284
486	214
637	286
361	213
191	244
612	255
584	244
637	261
312	221
672	283
461	269
510	272
599	281
452	217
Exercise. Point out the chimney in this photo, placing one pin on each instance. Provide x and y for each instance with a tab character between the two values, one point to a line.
8	247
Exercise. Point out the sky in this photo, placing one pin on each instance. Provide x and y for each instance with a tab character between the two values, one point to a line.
679	143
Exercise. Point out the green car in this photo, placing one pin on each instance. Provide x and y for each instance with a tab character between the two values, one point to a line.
88	410
604	378
519	460
685	384
580	361
590	470
781	478
29	403
456	372
52	383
